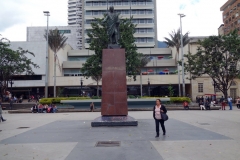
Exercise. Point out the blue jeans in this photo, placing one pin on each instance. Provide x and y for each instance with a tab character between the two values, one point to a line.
230	105
54	110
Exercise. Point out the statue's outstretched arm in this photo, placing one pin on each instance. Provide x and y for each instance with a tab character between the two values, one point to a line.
105	19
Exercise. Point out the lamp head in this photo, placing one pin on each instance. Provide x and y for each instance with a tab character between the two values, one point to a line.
46	13
181	15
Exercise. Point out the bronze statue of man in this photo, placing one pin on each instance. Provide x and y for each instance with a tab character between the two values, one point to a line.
112	22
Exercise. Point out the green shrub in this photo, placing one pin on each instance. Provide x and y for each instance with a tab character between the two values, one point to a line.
45	101
179	99
138	96
131	96
96	97
58	99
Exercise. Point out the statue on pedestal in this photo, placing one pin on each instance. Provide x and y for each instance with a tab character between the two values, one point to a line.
112	22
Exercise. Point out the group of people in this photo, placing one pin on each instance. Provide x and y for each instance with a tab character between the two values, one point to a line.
40	108
229	101
207	102
33	98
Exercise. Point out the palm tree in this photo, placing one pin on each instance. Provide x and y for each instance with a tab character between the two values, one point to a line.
175	41
56	41
144	60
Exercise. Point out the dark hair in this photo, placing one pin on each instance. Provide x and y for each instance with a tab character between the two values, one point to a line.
158	100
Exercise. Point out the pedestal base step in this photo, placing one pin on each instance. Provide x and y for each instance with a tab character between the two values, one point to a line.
114	121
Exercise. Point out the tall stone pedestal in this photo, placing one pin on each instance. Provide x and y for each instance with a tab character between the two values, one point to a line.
114	87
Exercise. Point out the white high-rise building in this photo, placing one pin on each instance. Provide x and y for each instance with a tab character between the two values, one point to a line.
82	13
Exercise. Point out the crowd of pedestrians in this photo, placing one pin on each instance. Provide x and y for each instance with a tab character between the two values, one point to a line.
40	108
208	102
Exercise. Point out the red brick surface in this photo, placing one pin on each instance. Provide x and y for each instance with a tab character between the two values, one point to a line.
114	87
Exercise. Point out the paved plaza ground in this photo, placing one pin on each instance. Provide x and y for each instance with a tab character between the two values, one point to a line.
191	135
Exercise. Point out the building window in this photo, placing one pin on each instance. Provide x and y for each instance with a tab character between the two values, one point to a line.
65	31
150	39
200	87
142	21
141	12
134	12
88	3
72	72
149	12
150	21
88	12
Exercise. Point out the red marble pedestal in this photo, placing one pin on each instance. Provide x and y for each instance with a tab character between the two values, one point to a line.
114	87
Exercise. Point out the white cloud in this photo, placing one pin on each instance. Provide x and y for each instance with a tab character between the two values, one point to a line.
16	15
203	17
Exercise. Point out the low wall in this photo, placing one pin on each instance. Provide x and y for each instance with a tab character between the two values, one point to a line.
169	108
132	103
18	105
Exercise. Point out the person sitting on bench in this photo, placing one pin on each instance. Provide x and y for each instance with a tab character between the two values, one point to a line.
207	105
201	105
185	105
35	109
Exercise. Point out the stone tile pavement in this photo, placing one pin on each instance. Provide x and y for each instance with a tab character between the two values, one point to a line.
191	135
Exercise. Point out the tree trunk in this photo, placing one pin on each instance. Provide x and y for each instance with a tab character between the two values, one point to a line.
54	88
141	83
97	89
225	92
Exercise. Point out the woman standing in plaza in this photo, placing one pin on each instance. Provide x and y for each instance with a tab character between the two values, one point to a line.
157	110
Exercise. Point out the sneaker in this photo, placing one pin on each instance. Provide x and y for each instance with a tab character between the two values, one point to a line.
4	120
164	134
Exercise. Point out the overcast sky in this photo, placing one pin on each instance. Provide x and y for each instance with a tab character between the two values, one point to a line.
203	17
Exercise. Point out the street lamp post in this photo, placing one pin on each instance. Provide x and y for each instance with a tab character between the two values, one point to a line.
141	83
46	13
183	75
11	83
214	89
81	82
148	87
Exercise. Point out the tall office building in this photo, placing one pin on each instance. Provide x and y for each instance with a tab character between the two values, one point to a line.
231	18
82	13
75	17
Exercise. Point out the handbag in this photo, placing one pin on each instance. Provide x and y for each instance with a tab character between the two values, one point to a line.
164	116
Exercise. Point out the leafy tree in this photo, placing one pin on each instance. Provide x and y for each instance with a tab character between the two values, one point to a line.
218	57
98	40
171	90
56	41
13	63
93	68
175	41
60	91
